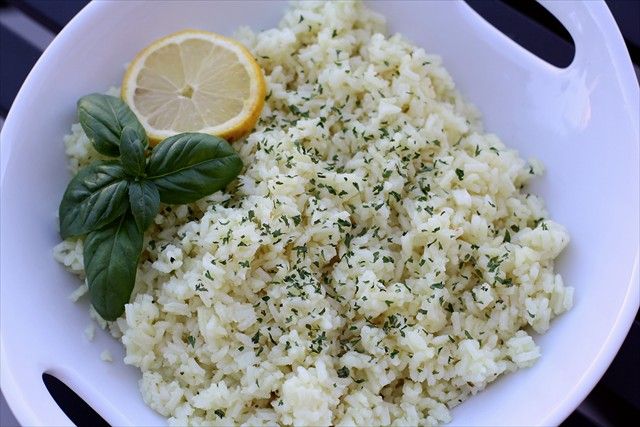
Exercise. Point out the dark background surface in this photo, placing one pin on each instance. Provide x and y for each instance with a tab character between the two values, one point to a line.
26	26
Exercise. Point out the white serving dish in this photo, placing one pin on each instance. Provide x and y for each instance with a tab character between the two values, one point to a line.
582	122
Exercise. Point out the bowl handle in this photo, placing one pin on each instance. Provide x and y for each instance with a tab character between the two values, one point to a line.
599	46
38	408
591	25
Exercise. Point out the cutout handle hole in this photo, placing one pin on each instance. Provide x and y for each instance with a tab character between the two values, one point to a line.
71	404
530	25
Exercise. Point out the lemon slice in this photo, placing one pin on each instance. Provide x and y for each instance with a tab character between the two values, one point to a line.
195	81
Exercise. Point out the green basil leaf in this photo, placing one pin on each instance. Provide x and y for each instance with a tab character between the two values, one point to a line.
95	197
189	166
145	202
132	152
110	262
103	117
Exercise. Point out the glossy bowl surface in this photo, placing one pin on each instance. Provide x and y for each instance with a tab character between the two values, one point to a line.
581	121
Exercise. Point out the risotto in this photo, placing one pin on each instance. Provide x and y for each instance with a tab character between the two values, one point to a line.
377	262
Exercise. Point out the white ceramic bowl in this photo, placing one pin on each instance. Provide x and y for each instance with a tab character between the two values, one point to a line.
581	121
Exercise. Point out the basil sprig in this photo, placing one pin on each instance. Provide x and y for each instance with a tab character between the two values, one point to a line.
113	202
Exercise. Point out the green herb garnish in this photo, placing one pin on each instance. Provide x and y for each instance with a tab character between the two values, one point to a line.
113	202
103	118
343	372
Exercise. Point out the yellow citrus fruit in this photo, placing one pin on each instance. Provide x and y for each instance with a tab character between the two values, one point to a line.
195	81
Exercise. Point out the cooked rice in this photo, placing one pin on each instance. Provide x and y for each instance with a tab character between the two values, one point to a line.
378	261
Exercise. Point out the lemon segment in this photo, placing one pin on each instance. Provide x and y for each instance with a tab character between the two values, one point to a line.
195	81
